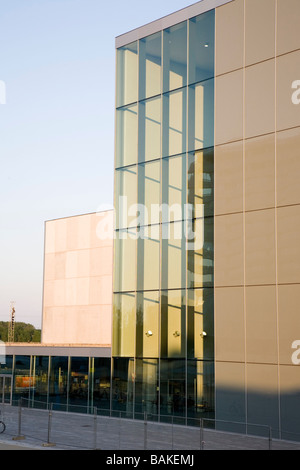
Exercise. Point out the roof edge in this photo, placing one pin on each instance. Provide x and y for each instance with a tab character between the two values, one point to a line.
168	21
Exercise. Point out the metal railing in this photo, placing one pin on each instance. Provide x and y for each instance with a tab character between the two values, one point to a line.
96	429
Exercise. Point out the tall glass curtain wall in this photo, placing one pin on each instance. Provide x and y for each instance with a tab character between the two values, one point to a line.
163	321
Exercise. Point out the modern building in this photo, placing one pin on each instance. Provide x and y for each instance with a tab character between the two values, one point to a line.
205	279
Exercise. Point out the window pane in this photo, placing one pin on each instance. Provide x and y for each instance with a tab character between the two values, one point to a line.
148	264
173	188
149	193
200	334
174	123
150	129
122	386
172	388
124	322
201	115
78	389
126	197
202	47
147	334
200	390
173	329
101	382
201	183
175	57
125	260
58	381
40	379
200	235
150	66
146	387
126	136
173	256
22	377
127	74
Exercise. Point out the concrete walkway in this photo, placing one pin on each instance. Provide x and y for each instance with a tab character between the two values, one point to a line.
28	428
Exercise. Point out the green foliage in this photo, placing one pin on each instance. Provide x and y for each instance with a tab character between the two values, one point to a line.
24	332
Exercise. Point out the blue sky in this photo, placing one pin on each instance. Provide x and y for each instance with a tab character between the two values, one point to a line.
57	60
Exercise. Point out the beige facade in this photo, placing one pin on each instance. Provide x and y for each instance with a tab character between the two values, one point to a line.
257	211
77	304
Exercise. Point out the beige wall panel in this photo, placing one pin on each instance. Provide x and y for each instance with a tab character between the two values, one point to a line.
84	231
78	301
229	107
261	324
288	244
260	173
262	378
260	99
49	269
260	247
288	167
288	321
260	30
229	178
60	235
229	324
230	392
230	37
60	266
102	224
288	38
72	233
229	250
288	113
49	237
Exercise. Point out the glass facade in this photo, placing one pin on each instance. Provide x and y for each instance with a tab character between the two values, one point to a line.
163	306
76	384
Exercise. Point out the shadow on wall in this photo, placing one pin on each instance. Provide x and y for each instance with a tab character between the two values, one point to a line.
256	412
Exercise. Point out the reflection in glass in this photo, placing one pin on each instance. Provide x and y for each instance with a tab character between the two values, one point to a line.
200	324
175	57
147	324
173	188
22	377
149	192
200	390
173	256
172	388
126	197
150	129
173	321
146	387
150	66
174	123
202	47
58	382
127	74
127	136
122	386
201	182
100	382
201	252
201	115
148	258
124	325
78	387
40	378
125	260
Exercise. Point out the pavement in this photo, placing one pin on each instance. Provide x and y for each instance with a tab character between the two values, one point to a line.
32	429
